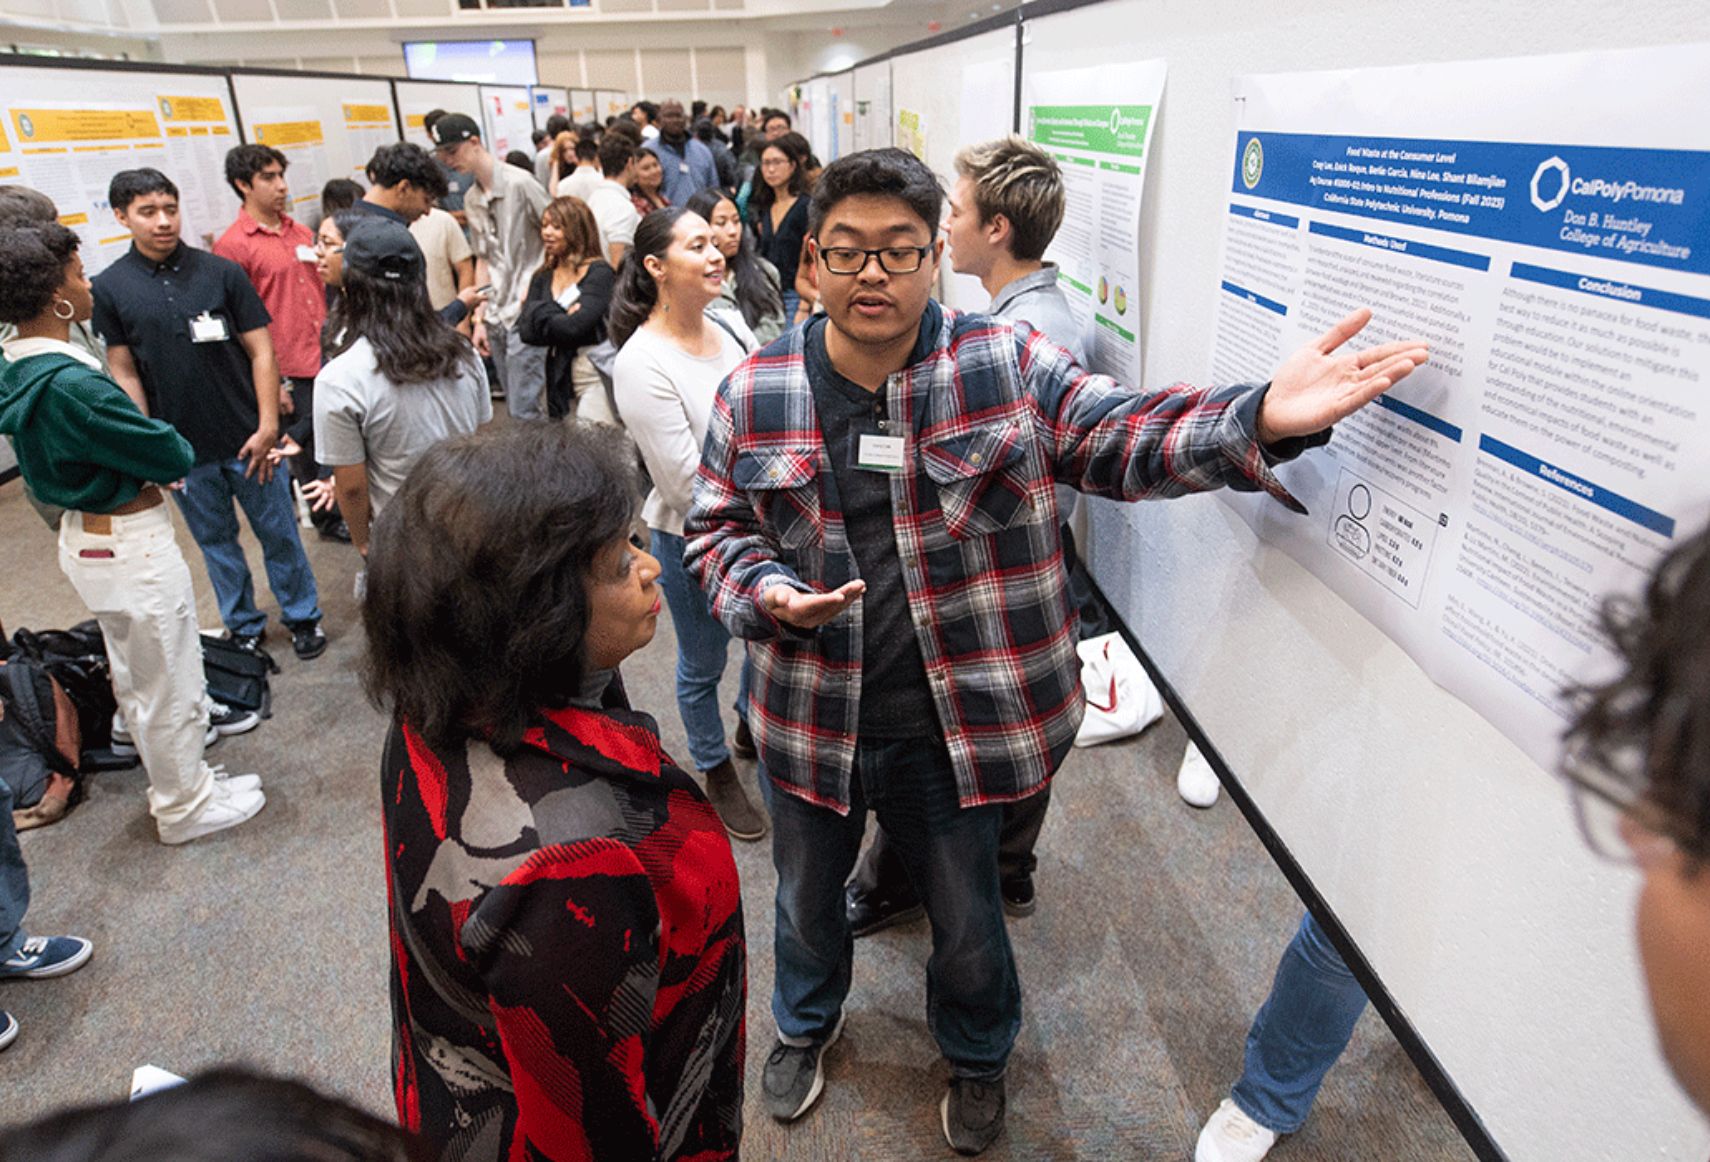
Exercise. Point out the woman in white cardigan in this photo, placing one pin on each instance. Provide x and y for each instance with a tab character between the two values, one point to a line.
671	359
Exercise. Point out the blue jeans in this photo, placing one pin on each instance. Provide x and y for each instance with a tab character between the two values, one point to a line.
1300	1031
702	646
792	301
973	996
14	880
206	502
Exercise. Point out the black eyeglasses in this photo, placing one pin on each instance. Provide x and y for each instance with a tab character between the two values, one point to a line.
892	259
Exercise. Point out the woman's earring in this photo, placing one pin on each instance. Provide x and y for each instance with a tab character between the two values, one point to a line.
70	311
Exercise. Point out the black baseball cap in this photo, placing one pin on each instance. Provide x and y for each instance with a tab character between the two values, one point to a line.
381	248
452	129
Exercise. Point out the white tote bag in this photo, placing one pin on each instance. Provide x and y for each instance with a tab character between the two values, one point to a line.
1121	699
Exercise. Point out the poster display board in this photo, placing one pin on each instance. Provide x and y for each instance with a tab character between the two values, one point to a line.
872	86
842	140
507	121
611	103
327	127
416	99
583	106
67	131
548	101
1553	449
948	96
1098	124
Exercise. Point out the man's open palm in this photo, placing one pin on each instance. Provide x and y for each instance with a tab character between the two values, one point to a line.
1320	384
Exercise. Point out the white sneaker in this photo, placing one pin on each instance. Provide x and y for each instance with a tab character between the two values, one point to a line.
234	783
1196	782
1230	1135
224	808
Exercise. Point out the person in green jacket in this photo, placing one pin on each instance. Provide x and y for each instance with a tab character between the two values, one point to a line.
84	446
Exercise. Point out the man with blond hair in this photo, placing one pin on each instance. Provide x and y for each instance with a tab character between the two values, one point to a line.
1006	206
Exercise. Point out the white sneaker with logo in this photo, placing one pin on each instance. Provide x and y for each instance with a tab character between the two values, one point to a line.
1232	1136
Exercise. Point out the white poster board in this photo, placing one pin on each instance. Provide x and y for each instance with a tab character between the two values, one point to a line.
327	127
583	107
67	131
872	84
948	96
507	121
1098	124
611	103
1447	854
416	99
842	138
547	102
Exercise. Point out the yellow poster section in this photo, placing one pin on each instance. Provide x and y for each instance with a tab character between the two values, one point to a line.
6	171
192	108
282	133
49	126
369	115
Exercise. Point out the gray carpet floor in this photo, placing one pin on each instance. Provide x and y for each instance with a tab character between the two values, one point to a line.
1157	932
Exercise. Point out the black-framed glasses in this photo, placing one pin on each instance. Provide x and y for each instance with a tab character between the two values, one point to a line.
892	259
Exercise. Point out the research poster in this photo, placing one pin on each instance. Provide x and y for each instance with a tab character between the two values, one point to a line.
367	127
508	122
1098	124
1544	224
69	148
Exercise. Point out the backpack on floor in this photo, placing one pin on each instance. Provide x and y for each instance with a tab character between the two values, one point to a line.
40	743
237	676
77	659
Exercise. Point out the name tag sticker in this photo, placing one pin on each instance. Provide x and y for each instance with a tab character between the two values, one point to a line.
204	328
878	452
682	167
305	253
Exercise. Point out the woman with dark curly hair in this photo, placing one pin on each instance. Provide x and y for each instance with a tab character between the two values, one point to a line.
83	445
569	971
1639	759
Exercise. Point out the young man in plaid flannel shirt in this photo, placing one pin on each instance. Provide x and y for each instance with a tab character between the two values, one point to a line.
905	452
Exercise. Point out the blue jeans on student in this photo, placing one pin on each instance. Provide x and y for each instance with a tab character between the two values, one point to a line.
973	996
1300	1031
792	302
14	880
206	502
702	646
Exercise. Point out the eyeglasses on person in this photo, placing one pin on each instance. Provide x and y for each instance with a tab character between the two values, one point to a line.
892	259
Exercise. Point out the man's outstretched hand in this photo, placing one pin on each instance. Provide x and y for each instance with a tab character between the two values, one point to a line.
810	610
1318	385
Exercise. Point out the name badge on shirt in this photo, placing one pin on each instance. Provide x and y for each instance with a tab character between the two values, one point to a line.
204	328
682	167
305	253
880	450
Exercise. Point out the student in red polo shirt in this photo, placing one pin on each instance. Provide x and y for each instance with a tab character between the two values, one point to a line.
277	253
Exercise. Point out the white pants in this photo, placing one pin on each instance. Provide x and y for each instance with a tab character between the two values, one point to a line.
592	404
134	580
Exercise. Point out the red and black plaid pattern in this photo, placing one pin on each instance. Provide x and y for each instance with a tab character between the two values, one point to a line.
568	965
993	417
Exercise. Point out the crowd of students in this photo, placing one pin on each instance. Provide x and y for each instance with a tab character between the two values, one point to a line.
866	488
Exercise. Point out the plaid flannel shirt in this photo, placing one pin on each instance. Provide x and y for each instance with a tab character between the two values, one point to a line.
992	417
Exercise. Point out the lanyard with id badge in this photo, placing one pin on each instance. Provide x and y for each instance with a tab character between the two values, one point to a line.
205	328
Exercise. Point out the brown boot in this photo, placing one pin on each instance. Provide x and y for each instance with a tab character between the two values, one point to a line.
740	818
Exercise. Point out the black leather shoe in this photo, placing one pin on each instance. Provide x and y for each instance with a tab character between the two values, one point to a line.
869	912
1018	897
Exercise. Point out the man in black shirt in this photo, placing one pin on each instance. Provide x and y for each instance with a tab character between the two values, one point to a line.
187	340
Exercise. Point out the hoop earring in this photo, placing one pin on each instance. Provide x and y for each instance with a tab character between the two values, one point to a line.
70	311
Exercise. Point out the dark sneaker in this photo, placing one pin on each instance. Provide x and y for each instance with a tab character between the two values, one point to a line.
742	742
972	1112
870	912
308	640
247	641
1018	899
224	720
8	1029
731	802
795	1077
125	746
335	530
44	956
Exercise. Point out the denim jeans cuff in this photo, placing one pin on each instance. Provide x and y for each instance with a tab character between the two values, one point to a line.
1270	1124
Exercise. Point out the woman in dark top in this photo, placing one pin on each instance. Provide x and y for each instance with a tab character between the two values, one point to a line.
647	185
568	962
565	311
780	210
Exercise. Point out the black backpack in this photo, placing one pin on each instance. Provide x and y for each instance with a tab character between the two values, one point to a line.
77	660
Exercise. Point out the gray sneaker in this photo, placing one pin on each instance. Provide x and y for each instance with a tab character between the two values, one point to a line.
973	1114
795	1077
